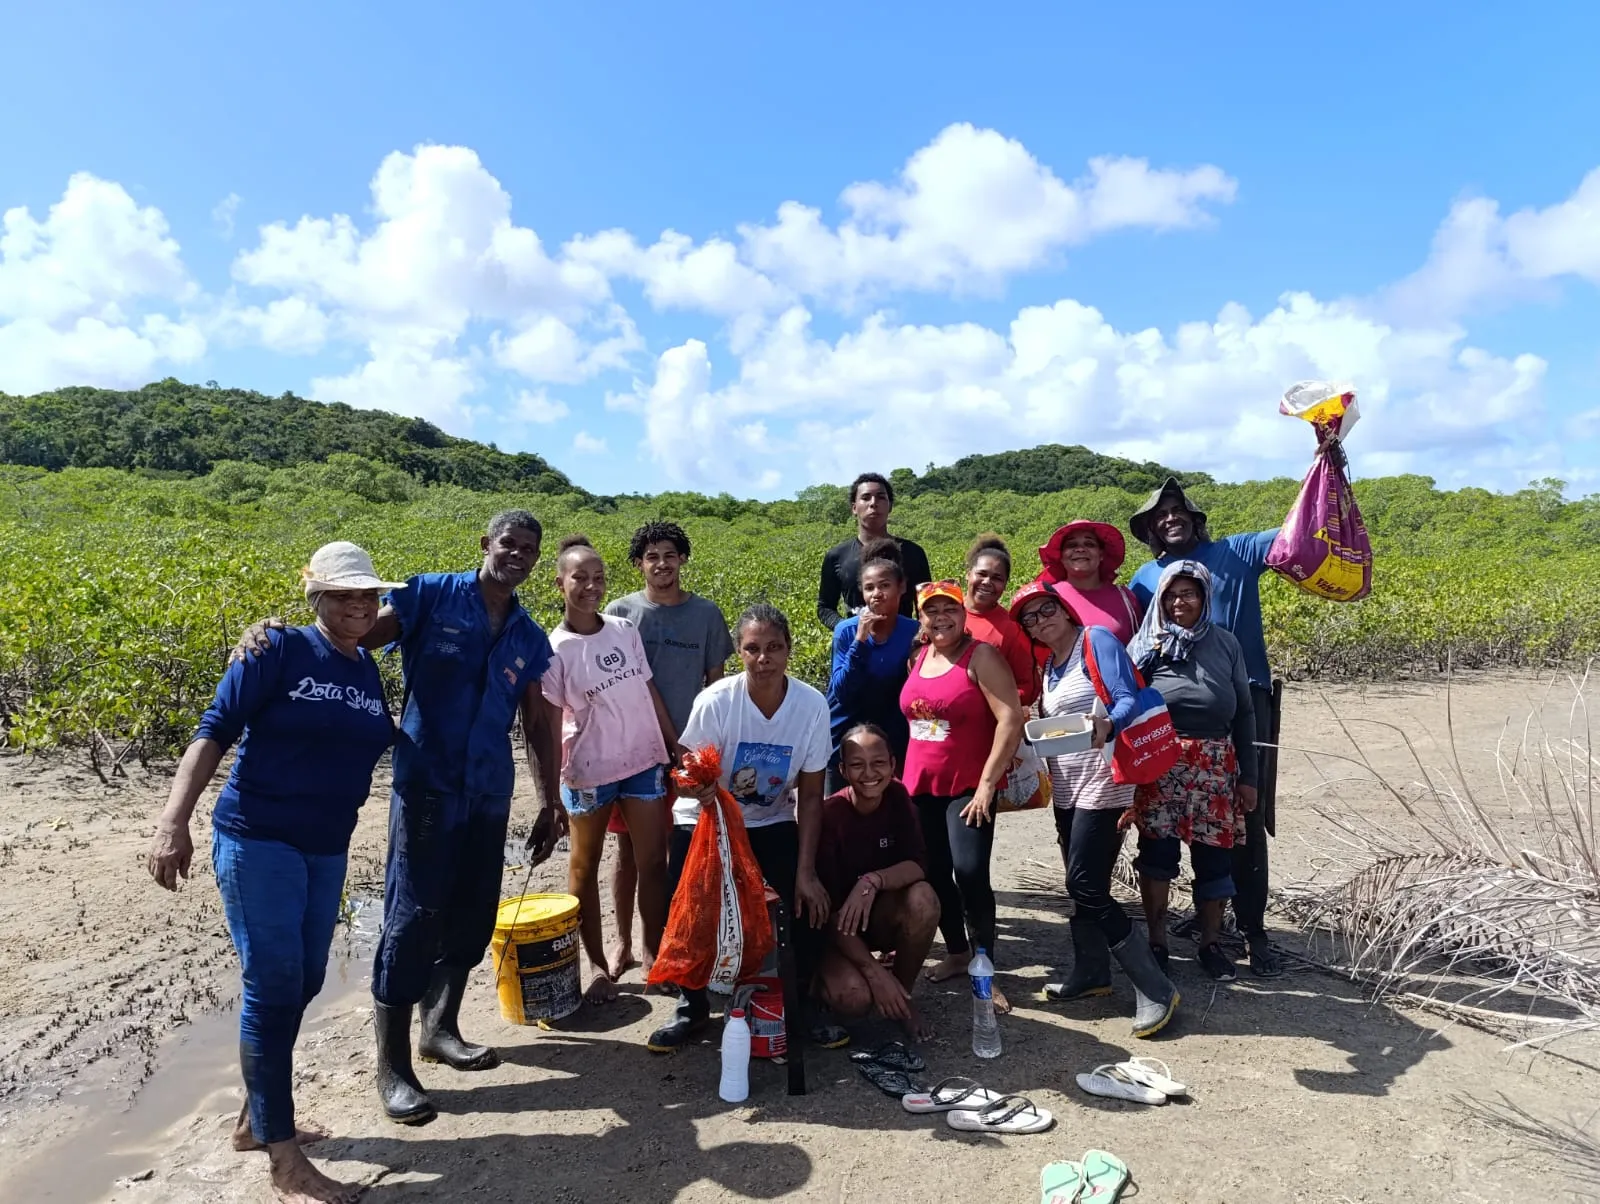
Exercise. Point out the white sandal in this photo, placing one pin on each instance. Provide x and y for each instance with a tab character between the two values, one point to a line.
1153	1073
948	1095
1008	1114
1114	1082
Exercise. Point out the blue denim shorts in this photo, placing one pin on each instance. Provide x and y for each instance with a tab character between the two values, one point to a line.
1213	867
647	784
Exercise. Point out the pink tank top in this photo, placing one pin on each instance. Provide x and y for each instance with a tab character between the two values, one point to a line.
952	729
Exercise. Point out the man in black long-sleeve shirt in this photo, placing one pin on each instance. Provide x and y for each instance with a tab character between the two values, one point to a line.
871	500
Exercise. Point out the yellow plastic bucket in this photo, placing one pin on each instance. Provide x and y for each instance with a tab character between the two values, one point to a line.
536	951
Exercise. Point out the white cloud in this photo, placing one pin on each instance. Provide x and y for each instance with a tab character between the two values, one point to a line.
224	212
539	408
442	259
1478	256
81	289
289	325
587	444
676	274
1204	396
969	209
409	372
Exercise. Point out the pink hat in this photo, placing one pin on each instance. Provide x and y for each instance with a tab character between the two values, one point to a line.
1040	589
1116	551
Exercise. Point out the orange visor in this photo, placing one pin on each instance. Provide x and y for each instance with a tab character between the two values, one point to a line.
940	589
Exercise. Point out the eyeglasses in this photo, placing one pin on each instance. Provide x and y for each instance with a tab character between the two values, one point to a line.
1048	609
1184	595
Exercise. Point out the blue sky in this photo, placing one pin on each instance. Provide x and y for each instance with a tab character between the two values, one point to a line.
902	233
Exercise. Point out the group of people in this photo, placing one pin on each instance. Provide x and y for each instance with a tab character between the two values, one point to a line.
870	808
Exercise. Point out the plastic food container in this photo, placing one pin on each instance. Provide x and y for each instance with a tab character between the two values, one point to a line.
1059	734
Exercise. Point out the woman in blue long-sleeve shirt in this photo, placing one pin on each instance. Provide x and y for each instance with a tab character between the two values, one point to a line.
309	718
1090	806
871	656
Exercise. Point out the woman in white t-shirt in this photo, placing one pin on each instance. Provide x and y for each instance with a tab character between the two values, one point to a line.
615	741
771	732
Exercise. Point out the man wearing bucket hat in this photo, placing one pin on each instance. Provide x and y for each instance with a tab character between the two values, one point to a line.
1081	561
1174	529
310	723
472	659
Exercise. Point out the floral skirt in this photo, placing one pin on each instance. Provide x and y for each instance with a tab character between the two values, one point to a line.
1197	799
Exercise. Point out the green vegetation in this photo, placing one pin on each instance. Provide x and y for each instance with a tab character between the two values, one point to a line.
173	429
123	592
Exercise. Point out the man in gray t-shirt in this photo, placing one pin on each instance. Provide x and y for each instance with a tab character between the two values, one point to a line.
687	645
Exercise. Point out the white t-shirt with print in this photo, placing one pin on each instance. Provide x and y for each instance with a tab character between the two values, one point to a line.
601	682
761	757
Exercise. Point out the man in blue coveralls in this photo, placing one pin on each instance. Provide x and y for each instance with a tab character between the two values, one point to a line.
472	658
1174	529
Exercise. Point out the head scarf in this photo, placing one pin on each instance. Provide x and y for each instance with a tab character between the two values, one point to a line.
1159	635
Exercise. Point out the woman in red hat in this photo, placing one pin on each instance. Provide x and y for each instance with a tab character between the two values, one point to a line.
1080	563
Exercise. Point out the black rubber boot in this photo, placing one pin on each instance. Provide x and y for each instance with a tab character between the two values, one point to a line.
1155	998
403	1098
694	1009
441	1039
1090	976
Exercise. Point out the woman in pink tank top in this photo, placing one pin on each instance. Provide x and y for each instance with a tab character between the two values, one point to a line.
960	701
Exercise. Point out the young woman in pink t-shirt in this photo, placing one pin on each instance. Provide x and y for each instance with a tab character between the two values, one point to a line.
616	741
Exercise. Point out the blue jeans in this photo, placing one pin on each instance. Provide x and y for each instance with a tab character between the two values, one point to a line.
281	906
447	854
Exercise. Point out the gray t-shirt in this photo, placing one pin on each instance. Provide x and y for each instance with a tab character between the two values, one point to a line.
681	643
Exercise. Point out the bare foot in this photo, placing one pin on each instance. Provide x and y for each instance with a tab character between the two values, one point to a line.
1002	1005
244	1140
956	963
917	1027
621	958
296	1181
601	989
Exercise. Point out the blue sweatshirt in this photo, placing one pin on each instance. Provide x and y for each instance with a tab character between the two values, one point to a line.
310	723
864	686
1236	565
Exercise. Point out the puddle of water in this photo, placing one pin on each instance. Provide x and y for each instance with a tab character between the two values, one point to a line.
115	1141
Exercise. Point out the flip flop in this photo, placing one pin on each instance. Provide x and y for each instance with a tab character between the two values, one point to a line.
1008	1114
947	1094
890	1081
1060	1182
1104	1177
1113	1082
1153	1073
893	1055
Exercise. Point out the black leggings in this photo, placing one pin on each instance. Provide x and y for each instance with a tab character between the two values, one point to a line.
1251	881
958	871
1090	843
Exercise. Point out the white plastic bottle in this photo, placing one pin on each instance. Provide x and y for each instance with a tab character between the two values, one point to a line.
735	1058
985	1028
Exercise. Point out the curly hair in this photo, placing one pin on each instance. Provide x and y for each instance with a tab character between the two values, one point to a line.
508	520
990	545
884	553
657	532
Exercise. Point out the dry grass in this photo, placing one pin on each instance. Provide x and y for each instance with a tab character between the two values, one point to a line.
1482	907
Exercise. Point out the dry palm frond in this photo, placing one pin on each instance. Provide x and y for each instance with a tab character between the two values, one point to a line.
1474	903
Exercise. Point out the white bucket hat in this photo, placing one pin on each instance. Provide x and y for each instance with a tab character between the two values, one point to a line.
342	565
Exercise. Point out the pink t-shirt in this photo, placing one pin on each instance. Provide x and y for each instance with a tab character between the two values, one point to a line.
1112	606
601	682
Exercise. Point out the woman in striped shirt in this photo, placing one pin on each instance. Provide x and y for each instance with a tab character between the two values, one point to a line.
1089	807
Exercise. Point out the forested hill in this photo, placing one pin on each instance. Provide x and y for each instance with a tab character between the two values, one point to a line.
170	428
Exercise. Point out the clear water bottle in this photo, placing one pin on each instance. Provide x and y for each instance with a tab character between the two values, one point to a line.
735	1058
985	1028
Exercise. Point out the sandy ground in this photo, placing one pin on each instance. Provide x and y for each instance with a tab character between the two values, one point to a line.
119	1080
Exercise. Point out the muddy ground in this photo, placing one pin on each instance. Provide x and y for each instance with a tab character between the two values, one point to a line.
119	1080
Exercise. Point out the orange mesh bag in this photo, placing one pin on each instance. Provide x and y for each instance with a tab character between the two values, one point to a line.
717	931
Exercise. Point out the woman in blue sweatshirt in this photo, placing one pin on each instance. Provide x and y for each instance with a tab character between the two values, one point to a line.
309	718
871	656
